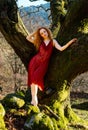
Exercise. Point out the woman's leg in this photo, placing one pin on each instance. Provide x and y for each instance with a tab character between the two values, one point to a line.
34	91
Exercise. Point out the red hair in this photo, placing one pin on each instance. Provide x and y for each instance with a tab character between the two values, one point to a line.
38	39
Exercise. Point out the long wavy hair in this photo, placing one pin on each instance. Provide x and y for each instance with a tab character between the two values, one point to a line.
39	39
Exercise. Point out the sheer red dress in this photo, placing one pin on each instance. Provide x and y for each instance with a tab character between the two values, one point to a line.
38	65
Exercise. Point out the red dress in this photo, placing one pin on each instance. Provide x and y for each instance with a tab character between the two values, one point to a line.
39	64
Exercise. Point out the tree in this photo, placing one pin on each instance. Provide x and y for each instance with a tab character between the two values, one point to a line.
14	30
58	12
64	67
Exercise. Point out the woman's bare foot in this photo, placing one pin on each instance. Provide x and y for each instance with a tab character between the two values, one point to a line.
34	101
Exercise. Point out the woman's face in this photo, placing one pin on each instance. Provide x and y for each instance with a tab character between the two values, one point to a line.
43	32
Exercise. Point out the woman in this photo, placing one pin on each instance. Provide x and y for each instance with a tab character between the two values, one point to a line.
44	43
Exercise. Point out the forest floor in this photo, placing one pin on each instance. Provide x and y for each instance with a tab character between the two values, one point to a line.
79	102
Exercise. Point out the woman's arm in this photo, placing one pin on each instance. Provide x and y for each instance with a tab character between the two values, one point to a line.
31	37
62	48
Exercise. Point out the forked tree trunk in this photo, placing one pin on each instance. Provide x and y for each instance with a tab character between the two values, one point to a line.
64	66
14	31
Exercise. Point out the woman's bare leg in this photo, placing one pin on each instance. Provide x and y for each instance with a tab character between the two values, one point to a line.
34	91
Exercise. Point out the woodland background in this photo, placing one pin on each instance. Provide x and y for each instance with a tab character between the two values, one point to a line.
13	74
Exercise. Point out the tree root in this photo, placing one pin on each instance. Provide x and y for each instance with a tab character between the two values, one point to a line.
78	125
51	112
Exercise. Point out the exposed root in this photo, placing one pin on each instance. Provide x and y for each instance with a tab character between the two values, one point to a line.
79	125
51	112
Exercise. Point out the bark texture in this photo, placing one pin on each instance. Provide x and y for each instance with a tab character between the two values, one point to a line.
63	67
14	30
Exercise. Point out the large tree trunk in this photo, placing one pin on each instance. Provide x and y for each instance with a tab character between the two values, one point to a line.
58	12
14	30
64	66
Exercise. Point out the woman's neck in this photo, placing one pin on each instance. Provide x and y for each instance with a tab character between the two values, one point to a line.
46	41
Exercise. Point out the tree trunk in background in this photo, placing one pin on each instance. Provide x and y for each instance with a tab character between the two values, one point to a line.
14	30
58	12
64	66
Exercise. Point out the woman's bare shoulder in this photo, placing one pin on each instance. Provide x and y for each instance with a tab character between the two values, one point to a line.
54	41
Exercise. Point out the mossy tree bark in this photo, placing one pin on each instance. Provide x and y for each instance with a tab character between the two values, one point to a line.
14	30
64	66
58	12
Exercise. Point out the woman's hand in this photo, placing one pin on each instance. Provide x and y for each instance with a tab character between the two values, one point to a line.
73	40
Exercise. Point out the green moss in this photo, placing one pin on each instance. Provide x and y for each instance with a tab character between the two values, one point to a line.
84	26
55	124
71	115
62	124
2	111
55	31
59	110
46	123
19	102
2	124
2	114
21	93
13	100
75	120
39	121
32	109
18	112
64	92
29	124
57	107
38	117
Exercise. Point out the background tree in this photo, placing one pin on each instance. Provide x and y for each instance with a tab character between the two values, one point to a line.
58	12
64	67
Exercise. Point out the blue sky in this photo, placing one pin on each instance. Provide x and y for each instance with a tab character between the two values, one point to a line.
28	3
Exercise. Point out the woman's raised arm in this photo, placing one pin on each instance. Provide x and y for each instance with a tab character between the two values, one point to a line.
62	48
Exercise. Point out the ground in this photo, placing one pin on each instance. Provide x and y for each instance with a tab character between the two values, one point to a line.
79	103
